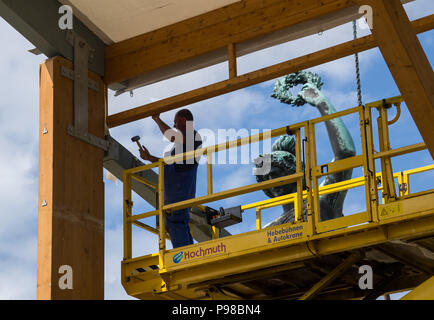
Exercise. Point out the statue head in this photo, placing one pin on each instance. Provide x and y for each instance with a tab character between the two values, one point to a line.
283	163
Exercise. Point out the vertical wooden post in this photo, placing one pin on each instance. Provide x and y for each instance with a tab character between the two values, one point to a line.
71	192
407	62
232	58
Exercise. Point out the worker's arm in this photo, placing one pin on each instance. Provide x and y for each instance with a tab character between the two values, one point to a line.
167	131
145	155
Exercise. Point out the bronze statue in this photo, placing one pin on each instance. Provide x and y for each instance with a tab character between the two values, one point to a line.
283	151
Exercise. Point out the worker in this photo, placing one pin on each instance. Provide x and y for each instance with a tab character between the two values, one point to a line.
179	177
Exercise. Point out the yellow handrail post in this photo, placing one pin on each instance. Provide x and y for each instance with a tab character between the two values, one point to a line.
162	234
368	164
215	232
128	204
406	182
298	203
308	181
400	185
387	180
314	190
373	188
209	156
258	218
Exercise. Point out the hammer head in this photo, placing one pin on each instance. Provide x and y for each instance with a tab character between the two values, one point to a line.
135	139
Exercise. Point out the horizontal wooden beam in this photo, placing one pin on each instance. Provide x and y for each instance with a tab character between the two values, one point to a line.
255	77
211	31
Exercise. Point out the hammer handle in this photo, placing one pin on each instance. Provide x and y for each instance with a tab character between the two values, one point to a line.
140	147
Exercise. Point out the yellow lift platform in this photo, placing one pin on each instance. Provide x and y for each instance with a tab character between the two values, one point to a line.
304	259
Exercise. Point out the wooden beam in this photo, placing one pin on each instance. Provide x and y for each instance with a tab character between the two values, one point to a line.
211	31
255	77
407	62
71	191
300	30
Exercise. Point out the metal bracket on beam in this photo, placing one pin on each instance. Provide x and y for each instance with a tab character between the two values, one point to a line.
71	37
82	54
89	138
81	97
68	73
35	51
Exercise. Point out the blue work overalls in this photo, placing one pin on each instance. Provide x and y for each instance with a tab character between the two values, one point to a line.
179	185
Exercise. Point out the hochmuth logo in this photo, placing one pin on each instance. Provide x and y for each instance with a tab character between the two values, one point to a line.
178	257
198	253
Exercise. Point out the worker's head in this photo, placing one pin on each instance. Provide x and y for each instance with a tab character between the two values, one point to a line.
283	163
182	118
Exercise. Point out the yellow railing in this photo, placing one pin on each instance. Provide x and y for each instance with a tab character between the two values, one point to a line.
310	173
403	180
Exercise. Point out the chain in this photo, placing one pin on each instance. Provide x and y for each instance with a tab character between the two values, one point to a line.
356	56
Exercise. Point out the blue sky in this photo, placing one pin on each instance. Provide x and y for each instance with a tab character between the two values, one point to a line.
250	108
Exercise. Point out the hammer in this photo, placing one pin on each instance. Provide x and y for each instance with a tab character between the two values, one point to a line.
136	140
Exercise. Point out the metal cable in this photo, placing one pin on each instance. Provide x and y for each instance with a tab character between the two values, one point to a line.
356	56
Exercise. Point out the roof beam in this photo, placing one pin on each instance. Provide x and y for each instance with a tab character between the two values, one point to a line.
300	30
407	62
255	77
39	23
235	23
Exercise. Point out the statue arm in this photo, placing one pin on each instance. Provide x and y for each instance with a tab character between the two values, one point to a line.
342	145
340	139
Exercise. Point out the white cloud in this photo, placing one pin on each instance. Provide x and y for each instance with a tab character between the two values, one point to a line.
19	105
18	280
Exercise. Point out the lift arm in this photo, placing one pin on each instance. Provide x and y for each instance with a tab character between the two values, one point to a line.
423	292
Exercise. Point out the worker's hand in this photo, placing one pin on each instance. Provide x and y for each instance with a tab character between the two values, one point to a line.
144	154
156	117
